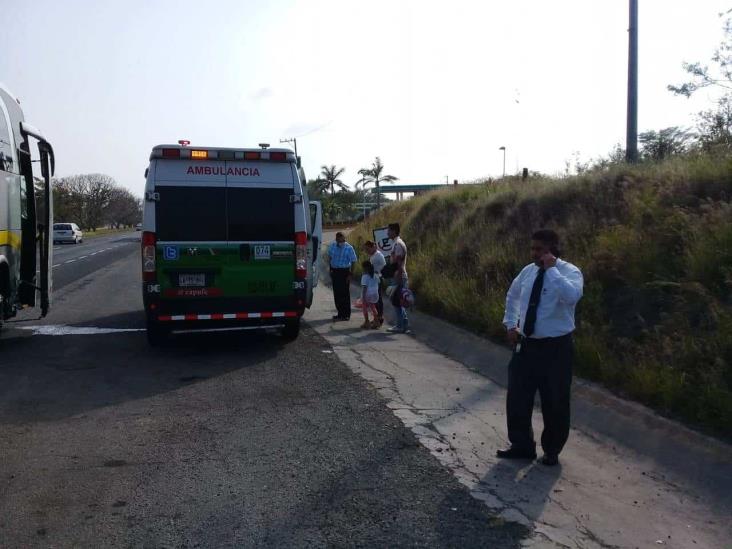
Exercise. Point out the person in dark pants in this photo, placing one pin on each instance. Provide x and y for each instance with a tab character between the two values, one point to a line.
398	259
379	262
539	318
341	258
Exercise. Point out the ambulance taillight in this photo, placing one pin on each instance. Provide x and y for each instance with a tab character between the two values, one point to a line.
148	256
301	255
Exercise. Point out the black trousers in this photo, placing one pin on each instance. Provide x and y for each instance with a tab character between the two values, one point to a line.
341	291
544	365
380	303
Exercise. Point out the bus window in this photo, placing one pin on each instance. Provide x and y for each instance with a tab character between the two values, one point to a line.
6	147
16	115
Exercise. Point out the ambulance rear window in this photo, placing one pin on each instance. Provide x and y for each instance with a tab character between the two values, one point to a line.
260	214
191	214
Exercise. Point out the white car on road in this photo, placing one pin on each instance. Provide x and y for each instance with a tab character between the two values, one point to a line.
67	232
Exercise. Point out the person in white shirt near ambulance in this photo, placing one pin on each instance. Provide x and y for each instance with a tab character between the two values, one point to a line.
539	317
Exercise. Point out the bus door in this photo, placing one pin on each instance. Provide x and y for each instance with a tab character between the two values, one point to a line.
37	220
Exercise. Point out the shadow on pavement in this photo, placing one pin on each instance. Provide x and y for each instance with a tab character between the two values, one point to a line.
521	484
52	377
394	494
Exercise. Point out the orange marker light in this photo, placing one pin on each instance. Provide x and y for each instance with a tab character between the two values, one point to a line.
199	154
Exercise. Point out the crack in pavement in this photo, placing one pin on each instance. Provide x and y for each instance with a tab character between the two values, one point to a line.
420	393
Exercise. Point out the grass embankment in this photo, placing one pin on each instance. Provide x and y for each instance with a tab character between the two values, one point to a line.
654	243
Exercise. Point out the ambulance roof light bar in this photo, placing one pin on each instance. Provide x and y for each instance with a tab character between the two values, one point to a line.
184	142
184	152
264	145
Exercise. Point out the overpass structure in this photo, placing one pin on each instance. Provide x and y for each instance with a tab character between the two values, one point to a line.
399	190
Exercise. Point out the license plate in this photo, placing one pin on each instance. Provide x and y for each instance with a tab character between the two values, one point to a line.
192	280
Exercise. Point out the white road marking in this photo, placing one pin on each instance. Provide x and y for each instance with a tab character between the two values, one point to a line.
62	330
87	256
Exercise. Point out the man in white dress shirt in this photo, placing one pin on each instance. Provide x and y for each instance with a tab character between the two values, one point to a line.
540	320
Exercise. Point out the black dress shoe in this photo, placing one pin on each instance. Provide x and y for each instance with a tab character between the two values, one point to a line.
550	460
337	318
515	453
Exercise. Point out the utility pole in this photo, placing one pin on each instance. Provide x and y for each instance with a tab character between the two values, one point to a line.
504	159
292	140
631	141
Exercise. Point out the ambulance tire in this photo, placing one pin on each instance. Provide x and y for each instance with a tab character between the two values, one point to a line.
291	330
156	334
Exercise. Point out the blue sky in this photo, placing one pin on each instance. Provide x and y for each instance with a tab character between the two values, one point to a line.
433	88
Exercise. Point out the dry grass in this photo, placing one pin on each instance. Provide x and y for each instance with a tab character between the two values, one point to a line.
654	243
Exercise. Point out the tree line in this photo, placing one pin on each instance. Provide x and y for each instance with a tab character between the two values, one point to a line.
713	131
95	200
342	204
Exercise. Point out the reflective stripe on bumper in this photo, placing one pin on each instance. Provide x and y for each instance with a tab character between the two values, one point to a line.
227	316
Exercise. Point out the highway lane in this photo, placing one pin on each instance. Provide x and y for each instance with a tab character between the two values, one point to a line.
214	440
72	261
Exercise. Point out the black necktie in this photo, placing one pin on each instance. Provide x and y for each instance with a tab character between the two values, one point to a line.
534	303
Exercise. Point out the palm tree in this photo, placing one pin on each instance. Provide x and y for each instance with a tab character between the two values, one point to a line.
329	176
317	187
374	175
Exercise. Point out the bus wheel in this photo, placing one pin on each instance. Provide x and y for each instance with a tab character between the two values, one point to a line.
156	334
291	329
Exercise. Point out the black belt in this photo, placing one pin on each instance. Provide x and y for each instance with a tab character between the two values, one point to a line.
543	341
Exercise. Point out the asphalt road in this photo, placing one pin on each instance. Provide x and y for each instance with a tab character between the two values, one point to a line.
215	440
72	261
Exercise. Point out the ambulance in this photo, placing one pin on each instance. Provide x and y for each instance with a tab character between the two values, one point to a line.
230	240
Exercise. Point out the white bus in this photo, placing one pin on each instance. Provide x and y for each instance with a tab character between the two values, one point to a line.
26	213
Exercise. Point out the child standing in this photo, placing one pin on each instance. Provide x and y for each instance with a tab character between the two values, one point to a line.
369	295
